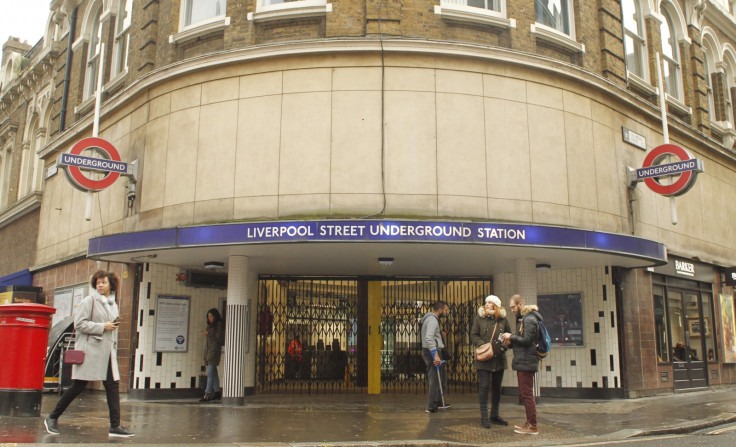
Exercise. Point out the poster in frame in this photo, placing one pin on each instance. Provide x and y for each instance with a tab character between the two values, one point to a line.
728	323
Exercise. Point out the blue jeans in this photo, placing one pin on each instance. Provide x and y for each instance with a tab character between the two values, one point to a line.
213	380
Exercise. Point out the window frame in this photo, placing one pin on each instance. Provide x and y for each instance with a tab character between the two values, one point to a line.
639	40
121	40
570	33
289	10
185	16
459	10
674	63
92	68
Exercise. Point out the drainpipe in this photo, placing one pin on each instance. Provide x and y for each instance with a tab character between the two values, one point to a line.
67	71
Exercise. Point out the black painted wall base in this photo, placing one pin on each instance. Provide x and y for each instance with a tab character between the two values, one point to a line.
20	403
175	393
573	393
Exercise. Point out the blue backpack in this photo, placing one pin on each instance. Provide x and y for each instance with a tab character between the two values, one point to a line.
544	343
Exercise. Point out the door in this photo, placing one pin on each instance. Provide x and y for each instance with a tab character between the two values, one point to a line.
689	367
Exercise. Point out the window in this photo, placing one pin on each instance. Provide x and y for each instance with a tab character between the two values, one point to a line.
730	85
708	65
93	56
563	317
660	325
670	58
196	11
554	14
634	41
493	5
122	36
707	328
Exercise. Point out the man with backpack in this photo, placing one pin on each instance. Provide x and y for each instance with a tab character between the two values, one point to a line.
526	359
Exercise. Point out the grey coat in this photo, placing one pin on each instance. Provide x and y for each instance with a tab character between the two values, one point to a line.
100	347
482	332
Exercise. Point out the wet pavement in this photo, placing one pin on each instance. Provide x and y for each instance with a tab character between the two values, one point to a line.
383	420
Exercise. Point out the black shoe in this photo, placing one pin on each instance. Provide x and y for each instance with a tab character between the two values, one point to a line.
217	395
120	432
485	422
52	426
431	410
207	397
498	421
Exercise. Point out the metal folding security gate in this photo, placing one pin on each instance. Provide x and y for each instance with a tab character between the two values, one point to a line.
330	318
403	304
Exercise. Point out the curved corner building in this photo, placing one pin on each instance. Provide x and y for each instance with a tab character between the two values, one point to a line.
332	168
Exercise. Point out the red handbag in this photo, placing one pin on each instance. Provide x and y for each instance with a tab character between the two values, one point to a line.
76	356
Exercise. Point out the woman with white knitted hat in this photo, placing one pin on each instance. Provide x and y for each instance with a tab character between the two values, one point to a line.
488	325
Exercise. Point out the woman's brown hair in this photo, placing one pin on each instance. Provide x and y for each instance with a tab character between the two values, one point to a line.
112	277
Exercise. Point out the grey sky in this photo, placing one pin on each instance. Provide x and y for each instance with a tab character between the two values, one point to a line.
25	19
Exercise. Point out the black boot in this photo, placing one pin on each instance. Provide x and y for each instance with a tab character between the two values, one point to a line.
206	398
485	422
217	395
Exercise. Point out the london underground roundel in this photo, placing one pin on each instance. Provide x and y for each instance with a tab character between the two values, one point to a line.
78	167
653	170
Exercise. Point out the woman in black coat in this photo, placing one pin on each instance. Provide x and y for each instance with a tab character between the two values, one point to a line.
215	334
488	325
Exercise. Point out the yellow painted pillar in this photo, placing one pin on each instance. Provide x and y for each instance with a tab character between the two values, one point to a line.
375	339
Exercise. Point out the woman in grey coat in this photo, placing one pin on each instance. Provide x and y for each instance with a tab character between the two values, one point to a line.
96	325
215	334
488	325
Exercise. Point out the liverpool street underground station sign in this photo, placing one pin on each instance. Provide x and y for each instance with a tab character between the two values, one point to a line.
687	168
78	167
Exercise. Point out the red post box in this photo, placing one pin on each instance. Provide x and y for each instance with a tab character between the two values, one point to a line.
24	335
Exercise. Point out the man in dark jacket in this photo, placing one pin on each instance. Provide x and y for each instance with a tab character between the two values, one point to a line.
526	362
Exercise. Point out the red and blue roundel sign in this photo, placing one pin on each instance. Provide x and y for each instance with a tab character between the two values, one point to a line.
75	164
687	168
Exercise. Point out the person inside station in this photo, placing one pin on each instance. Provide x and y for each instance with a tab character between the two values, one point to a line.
295	356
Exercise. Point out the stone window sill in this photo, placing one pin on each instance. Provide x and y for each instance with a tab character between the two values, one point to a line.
461	13
115	82
291	10
211	26
556	38
677	107
640	85
86	105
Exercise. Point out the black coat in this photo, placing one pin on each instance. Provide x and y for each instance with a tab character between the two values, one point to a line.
482	332
525	342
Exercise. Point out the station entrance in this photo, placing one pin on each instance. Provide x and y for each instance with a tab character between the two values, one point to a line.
361	335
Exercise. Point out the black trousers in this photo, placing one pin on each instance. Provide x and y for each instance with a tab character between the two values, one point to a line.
490	381
113	397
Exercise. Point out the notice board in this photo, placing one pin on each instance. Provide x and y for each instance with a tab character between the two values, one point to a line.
172	324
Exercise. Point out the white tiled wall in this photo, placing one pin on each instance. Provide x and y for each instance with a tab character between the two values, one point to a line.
589	282
162	279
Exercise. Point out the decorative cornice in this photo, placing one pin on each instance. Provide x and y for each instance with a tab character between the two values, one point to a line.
22	207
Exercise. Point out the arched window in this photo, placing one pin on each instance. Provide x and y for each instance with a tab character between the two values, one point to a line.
555	14
634	40
709	65
93	56
729	60
122	36
671	68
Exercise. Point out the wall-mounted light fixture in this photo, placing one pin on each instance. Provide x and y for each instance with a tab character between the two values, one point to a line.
385	262
212	265
543	266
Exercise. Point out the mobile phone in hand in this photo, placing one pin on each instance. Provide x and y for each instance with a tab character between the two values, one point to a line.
117	320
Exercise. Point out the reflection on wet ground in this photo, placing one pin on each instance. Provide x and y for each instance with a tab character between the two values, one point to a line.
343	419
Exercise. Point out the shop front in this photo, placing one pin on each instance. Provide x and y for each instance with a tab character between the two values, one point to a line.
685	327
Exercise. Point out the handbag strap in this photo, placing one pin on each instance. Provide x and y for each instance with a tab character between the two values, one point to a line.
493	334
74	331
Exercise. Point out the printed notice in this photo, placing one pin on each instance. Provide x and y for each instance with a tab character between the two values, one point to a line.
172	324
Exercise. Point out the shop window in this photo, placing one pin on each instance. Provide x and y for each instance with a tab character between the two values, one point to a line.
660	325
634	40
708	328
563	317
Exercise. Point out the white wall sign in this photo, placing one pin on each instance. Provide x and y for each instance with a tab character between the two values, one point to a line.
172	324
634	138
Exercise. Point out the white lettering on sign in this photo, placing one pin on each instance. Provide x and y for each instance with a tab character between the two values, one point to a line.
501	233
634	138
273	232
25	320
341	230
685	268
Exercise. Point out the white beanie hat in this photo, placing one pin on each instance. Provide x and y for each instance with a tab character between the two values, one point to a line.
493	299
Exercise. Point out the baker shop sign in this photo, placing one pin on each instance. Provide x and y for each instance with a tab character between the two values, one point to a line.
83	171
664	176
